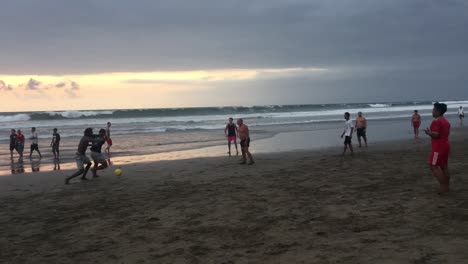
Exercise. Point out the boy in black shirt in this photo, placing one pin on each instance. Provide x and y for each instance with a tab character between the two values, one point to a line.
96	154
12	142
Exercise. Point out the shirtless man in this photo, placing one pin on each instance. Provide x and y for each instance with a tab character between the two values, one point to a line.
361	125
244	136
81	158
55	144
416	123
231	134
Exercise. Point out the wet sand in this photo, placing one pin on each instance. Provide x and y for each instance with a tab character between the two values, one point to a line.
380	206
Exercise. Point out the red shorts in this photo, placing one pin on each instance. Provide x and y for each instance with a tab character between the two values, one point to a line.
233	138
439	159
109	141
416	124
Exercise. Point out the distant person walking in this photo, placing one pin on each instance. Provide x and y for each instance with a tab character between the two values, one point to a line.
461	115
12	142
416	123
55	144
34	143
81	159
231	134
108	138
361	126
439	133
20	142
348	134
244	136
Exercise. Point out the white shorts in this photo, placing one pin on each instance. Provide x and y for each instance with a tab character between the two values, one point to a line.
81	160
98	157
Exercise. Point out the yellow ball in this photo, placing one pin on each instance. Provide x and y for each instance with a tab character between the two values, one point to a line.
118	172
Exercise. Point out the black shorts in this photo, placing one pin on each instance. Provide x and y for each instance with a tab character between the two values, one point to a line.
361	132
347	140
55	147
34	147
245	143
12	147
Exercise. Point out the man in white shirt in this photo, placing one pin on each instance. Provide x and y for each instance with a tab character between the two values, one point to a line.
34	143
461	115
348	134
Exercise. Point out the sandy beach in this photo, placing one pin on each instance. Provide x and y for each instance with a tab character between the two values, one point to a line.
380	206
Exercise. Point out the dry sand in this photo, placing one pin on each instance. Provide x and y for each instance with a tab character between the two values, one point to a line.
380	206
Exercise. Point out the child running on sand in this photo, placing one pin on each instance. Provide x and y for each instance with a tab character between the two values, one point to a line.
439	133
348	134
100	162
81	158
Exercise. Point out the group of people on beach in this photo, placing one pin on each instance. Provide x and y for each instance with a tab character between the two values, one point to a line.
241	131
17	141
438	131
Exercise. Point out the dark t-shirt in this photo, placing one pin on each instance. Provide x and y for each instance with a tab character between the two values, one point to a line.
12	140
97	143
56	138
231	130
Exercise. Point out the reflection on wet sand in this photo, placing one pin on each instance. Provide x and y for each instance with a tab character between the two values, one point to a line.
35	165
18	166
56	164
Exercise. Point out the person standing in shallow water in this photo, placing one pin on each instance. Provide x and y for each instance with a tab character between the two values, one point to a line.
12	142
55	144
34	143
361	126
348	134
108	138
439	133
244	136
461	115
20	142
416	123
231	134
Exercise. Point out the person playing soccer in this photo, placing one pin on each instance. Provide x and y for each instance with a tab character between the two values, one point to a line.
231	134
361	125
81	158
100	162
416	123
348	134
439	133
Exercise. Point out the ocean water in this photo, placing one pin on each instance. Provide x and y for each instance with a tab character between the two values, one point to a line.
148	131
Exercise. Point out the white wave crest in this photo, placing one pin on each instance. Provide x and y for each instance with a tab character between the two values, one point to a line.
380	105
78	114
13	118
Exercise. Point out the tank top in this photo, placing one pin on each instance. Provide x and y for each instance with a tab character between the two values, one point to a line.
231	130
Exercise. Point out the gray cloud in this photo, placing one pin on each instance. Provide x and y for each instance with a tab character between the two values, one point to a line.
401	42
5	87
33	84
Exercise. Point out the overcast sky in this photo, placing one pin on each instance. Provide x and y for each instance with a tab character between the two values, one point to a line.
186	53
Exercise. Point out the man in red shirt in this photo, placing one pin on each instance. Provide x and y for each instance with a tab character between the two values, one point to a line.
439	133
